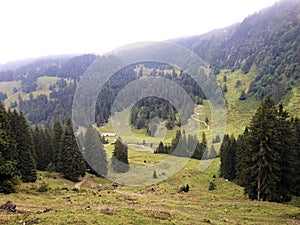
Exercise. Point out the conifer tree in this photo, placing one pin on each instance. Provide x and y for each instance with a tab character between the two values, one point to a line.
175	141
263	165
212	153
94	153
267	155
199	151
296	187
26	163
120	157
285	133
48	151
39	145
241	158
73	164
161	149
227	153
204	141
8	155
57	133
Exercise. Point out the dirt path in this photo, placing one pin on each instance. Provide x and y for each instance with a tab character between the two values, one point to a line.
141	148
195	117
132	194
77	185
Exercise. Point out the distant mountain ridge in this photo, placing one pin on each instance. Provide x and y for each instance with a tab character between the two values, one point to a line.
15	64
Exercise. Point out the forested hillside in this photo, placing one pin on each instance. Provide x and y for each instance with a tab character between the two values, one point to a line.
266	42
264	47
265	158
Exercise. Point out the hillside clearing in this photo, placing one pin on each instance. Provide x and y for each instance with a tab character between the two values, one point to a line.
96	201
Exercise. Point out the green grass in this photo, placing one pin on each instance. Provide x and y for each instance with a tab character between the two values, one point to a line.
130	134
8	88
291	101
153	204
43	84
239	113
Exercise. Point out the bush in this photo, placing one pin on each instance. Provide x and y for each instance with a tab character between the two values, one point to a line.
154	175
185	188
212	185
44	187
217	139
243	96
8	186
75	189
50	168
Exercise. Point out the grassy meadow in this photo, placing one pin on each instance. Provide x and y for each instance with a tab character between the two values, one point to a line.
95	201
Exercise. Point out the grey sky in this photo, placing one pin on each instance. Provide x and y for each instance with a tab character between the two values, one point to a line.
33	28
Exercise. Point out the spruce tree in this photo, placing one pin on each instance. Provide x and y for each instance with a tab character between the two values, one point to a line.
175	141
263	166
48	151
285	132
73	164
199	151
120	157
212	153
160	148
39	140
227	153
241	158
26	164
95	153
267	158
57	133
8	155
296	187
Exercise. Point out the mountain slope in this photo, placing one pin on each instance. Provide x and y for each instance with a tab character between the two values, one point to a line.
266	42
262	52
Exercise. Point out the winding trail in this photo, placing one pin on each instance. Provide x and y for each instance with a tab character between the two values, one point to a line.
78	185
195	117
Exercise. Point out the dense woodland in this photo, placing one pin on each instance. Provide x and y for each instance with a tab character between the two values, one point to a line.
267	42
265	159
24	150
150	107
44	110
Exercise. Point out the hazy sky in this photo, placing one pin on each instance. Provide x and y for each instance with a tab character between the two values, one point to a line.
31	28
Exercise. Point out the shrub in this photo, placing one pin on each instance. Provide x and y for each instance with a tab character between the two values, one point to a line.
50	168
212	185
154	175
44	187
185	188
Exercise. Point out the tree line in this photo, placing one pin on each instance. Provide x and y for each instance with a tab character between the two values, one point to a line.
24	150
16	151
187	146
265	159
